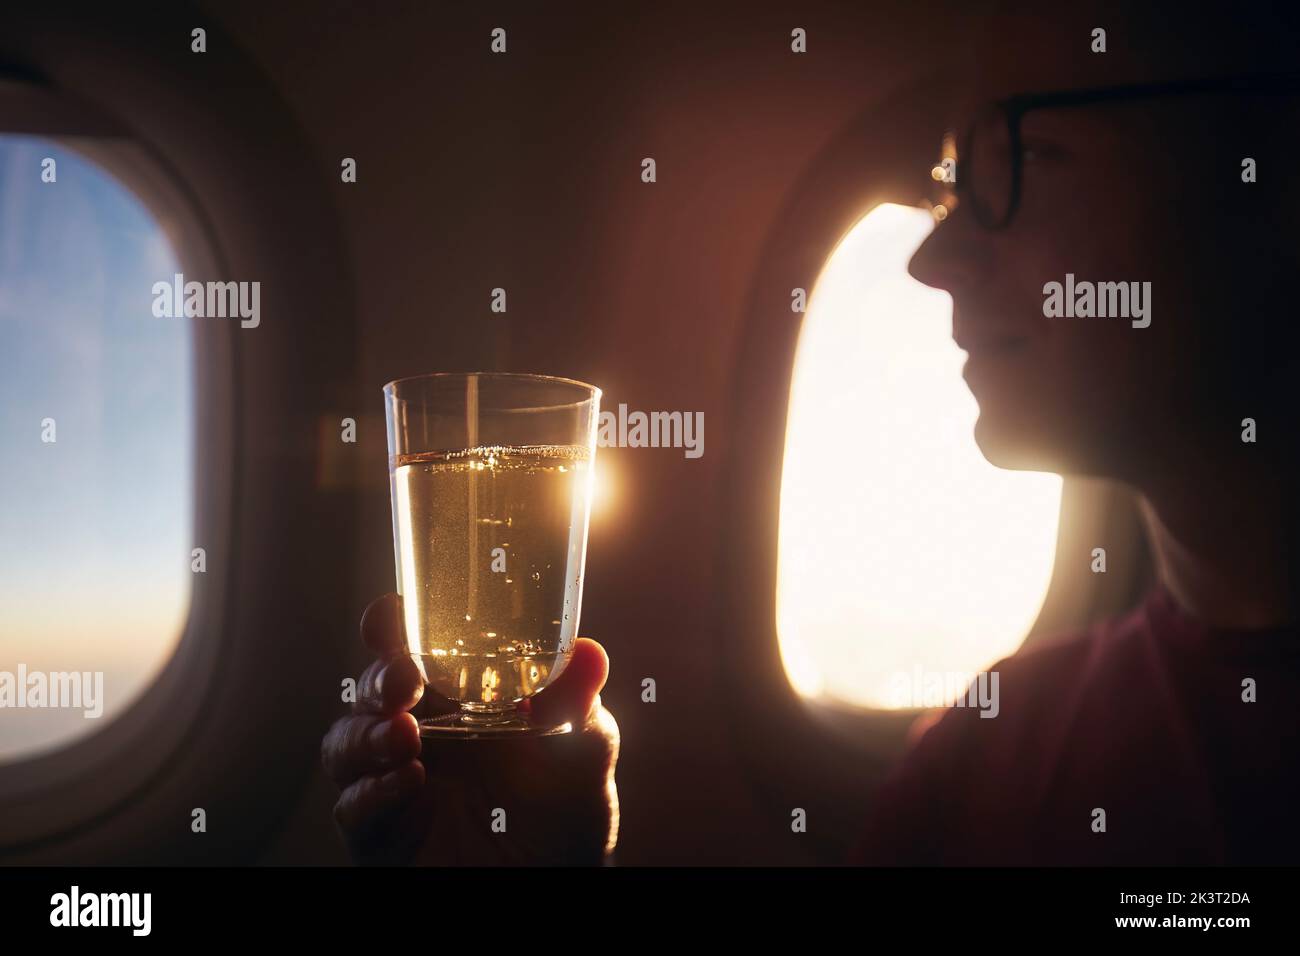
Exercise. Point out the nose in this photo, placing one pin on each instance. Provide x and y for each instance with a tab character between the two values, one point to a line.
954	256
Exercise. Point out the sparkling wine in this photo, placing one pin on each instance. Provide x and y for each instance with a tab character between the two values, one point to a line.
490	548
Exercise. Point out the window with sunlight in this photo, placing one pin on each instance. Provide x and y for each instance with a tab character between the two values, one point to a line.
96	411
907	562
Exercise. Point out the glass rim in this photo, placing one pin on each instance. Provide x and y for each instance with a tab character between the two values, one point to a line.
593	390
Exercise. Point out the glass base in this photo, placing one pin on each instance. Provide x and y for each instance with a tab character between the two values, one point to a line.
475	724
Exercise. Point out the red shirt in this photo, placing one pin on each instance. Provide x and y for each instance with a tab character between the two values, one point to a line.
1143	717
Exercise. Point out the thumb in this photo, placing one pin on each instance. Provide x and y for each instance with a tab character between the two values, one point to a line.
573	695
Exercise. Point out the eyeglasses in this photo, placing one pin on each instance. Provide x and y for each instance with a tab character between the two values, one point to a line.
991	153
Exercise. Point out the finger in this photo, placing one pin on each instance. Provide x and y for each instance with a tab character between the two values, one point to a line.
573	695
389	686
366	803
381	626
364	744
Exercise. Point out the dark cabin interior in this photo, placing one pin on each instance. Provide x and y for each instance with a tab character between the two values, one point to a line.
477	172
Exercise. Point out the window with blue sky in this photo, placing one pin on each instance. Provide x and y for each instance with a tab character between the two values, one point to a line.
96	525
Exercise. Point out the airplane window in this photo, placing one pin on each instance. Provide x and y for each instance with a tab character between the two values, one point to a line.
907	563
96	424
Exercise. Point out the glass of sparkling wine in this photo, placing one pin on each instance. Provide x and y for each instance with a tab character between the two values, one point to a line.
491	477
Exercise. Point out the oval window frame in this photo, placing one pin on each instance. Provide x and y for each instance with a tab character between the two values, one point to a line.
43	796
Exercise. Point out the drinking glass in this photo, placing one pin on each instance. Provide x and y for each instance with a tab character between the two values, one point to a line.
491	478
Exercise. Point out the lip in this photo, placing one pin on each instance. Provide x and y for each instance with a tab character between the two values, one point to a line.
993	345
992	352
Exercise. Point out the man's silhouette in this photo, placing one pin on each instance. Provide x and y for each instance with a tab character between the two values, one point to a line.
1168	736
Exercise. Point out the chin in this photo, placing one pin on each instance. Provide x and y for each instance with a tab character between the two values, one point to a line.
1015	447
1018	445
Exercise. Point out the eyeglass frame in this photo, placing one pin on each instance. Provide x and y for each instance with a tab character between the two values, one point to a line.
1014	108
